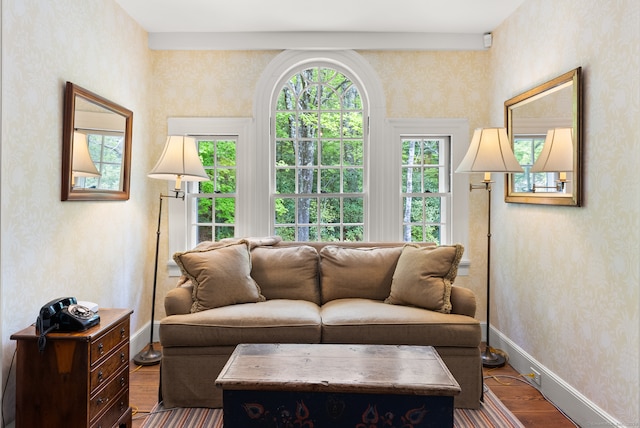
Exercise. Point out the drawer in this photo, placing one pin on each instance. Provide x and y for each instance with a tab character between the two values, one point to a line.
105	370
103	345
118	408
104	398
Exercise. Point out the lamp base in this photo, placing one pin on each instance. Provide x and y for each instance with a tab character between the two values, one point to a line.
491	359
149	357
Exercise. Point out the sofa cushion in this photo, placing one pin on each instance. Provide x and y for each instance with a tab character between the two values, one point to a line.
424	275
272	321
286	272
357	272
375	322
220	275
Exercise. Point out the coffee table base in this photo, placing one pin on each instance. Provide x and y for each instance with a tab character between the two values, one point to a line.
248	409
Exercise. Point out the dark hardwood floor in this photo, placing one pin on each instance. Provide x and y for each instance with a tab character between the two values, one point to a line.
524	401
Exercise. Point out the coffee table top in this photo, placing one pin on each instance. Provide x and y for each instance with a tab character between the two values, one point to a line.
379	369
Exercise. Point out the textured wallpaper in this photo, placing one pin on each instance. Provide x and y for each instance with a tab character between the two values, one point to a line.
96	251
567	279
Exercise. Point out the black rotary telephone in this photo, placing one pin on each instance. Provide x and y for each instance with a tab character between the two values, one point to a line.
64	314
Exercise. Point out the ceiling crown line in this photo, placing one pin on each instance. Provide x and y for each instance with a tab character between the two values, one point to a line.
315	41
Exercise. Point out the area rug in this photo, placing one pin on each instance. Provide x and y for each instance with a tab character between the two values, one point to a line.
491	414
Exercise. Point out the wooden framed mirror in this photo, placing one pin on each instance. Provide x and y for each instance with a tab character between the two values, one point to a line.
532	119
96	147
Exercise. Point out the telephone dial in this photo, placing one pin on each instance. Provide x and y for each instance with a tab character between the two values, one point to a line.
64	314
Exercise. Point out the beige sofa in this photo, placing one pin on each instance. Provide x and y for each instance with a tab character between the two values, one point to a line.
267	291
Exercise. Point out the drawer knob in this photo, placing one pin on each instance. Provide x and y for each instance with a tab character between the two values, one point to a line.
101	401
122	357
100	348
122	331
122	381
100	379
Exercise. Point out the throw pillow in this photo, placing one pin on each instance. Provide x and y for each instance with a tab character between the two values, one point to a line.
424	275
220	275
357	272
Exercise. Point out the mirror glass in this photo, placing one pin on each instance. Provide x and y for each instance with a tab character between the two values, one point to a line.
544	125
96	147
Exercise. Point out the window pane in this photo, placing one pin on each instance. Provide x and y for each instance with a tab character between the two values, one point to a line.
285	181
225	210
330	123
285	122
285	210
307	153
307	181
223	232
432	210
205	233
226	182
330	210
353	233
285	154
353	210
353	180
431	152
431	180
352	125
411	180
308	125
330	181
226	153
204	210
330	234
307	210
286	233
353	154
331	153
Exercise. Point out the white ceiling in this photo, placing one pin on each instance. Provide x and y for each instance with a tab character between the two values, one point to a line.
463	18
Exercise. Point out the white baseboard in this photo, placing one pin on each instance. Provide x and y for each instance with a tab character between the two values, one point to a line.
140	338
576	406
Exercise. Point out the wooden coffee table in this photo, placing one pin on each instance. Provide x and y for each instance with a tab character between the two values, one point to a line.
327	385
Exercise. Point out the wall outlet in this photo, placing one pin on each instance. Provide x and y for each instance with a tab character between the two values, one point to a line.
537	377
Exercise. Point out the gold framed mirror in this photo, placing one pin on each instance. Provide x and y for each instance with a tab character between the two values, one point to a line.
96	147
545	128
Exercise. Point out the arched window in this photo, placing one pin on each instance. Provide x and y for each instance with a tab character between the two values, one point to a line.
319	163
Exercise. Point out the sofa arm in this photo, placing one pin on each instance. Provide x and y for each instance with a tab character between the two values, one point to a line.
179	300
463	301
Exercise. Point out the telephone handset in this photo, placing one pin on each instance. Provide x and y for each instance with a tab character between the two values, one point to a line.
64	314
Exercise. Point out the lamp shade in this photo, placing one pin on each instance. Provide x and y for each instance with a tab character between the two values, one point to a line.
489	151
179	161
81	163
557	152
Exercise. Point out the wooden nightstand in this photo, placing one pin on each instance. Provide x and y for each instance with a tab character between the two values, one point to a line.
81	379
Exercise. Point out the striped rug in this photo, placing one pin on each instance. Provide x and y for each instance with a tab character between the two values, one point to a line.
492	414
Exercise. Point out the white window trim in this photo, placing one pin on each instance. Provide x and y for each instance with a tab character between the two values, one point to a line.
242	129
458	129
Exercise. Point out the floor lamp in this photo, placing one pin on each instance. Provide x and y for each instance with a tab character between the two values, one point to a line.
180	162
489	151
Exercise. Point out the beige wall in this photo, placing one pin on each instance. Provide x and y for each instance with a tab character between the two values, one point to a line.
582	308
567	279
97	251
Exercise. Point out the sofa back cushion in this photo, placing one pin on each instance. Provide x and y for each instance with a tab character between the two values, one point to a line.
286	272
357	272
